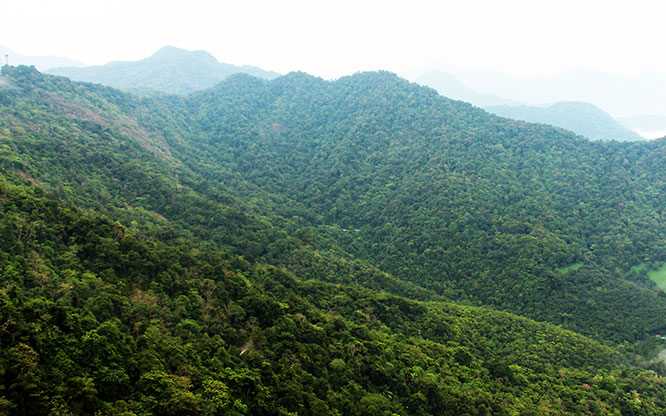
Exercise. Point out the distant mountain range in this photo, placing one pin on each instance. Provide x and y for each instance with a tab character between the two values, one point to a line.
170	70
582	118
449	86
173	70
42	63
619	94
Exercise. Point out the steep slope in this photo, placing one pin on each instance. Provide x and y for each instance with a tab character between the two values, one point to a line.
118	155
169	70
442	194
242	203
96	318
371	173
581	118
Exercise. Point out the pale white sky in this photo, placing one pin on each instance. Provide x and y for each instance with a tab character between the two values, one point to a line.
335	38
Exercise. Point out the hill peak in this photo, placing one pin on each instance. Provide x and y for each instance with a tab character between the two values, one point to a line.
170	70
171	52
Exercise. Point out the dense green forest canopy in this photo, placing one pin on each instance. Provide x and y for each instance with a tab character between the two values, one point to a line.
298	246
96	317
442	194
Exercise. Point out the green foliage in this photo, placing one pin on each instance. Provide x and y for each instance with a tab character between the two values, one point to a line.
435	192
92	322
307	247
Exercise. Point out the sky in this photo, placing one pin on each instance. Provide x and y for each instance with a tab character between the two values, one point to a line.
331	39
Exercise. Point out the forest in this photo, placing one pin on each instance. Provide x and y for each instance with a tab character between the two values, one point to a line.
362	246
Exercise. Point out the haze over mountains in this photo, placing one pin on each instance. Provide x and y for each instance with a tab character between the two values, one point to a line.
450	86
42	63
650	126
170	70
636	96
582	118
173	70
620	95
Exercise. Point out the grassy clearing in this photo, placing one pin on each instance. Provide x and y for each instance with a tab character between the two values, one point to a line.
658	276
569	268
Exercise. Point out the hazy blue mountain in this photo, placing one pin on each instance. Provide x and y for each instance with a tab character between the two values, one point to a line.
649	125
619	94
449	86
582	118
42	63
169	70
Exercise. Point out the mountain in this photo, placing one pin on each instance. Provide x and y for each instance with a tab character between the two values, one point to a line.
42	63
441	191
449	86
581	118
622	95
376	154
170	70
651	126
310	247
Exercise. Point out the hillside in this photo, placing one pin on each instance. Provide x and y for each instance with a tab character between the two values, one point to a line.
582	118
397	164
472	206
98	318
170	70
313	247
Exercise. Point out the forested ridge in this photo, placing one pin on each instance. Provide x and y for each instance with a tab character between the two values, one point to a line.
583	118
469	205
298	246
